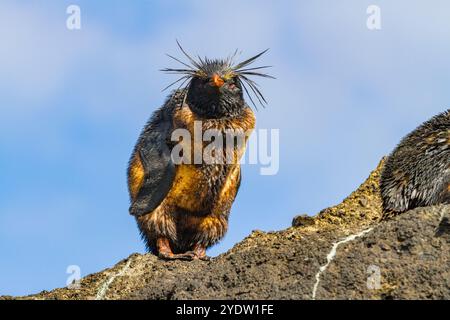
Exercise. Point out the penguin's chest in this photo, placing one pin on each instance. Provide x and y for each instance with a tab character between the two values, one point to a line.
203	173
207	154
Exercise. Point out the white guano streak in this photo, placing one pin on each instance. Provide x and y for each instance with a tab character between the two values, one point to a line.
101	293
331	256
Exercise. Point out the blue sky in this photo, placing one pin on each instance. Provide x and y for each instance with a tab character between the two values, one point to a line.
73	103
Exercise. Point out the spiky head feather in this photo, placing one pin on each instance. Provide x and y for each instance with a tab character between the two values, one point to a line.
205	67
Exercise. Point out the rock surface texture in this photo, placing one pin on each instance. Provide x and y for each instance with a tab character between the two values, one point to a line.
344	252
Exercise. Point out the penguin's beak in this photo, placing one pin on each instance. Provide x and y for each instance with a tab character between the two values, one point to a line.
217	81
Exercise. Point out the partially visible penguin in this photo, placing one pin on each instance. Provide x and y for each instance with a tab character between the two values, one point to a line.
417	172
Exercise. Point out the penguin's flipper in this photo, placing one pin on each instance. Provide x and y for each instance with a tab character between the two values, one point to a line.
159	170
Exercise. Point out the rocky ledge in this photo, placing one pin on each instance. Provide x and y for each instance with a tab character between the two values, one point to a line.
344	252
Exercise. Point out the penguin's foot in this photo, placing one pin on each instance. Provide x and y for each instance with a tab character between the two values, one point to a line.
165	252
189	256
200	252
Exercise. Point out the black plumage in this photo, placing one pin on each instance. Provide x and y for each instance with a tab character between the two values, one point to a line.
417	172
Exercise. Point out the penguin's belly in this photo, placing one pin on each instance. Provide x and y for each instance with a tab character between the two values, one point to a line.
196	187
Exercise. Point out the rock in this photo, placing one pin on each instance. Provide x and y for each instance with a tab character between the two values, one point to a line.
302	220
416	268
363	202
342	253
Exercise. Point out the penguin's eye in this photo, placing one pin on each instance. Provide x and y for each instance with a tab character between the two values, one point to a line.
232	83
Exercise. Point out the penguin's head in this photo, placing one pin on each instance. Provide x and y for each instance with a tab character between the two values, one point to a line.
215	87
